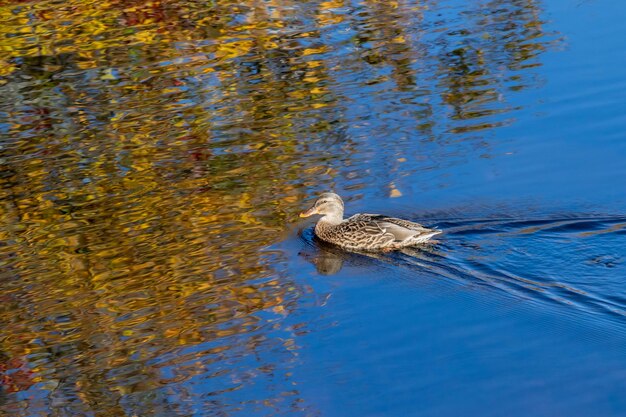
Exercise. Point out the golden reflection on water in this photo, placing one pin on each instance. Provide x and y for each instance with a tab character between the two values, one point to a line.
151	150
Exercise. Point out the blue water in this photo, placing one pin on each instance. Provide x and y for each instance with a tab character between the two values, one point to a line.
522	309
153	263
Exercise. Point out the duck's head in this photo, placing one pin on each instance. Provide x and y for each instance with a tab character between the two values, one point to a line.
328	204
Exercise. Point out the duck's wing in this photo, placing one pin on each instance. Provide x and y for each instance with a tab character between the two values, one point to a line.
398	228
405	224
364	229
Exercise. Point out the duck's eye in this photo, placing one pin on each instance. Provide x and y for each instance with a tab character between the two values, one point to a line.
319	203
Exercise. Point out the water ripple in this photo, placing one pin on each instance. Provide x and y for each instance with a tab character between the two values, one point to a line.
487	252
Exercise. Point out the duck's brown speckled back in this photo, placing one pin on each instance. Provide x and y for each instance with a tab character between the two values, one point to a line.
374	232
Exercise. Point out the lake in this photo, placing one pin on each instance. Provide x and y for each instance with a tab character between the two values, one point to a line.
154	157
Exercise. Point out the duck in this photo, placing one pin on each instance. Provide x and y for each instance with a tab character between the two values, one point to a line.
364	232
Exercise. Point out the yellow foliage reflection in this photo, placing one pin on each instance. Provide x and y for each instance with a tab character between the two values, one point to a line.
152	150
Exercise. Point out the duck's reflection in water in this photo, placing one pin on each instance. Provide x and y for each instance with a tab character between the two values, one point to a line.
327	263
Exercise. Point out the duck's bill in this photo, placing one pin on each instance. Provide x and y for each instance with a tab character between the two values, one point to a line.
309	212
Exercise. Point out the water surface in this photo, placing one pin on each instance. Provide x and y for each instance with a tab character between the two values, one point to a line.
154	157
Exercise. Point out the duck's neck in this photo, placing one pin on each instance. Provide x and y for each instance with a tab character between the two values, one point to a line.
331	219
325	225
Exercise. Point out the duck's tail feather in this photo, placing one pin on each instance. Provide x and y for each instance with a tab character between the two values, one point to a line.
422	237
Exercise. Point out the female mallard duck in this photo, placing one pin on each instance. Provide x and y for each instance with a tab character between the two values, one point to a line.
369	232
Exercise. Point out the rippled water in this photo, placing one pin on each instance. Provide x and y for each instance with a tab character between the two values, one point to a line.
154	157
